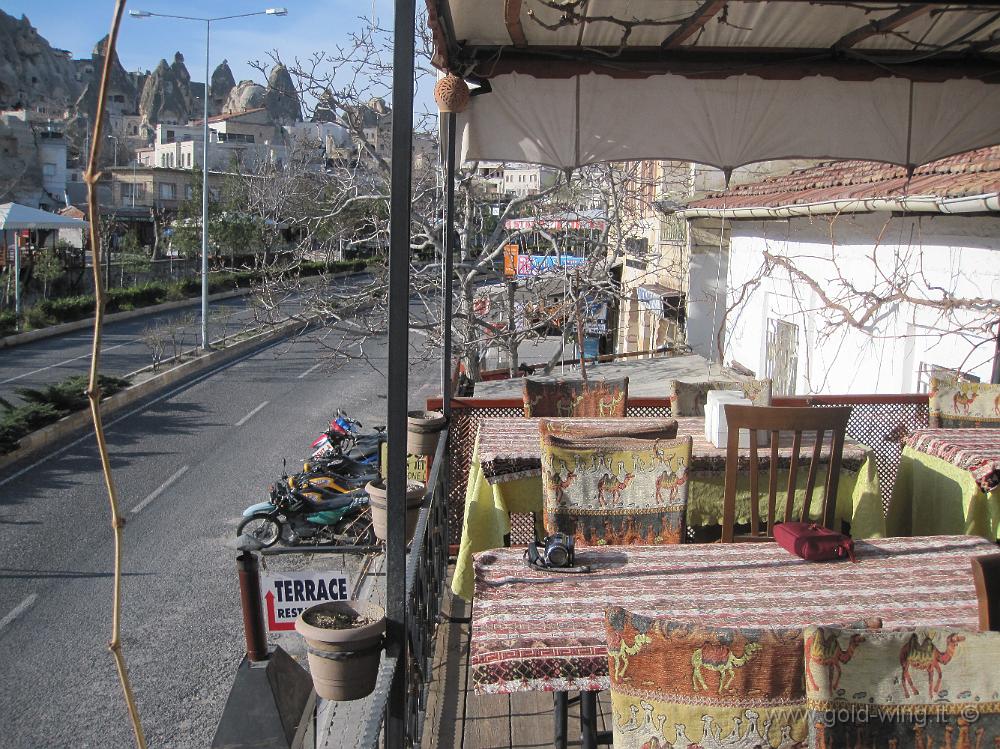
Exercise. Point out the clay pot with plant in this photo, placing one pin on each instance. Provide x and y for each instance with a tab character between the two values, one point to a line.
379	505
344	645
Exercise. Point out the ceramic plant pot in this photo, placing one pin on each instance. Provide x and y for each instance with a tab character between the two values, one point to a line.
344	644
451	94
379	506
423	428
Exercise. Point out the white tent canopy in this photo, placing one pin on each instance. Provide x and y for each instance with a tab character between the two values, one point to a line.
14	216
722	82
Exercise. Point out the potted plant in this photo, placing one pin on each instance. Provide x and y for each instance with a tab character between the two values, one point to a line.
422	431
344	645
379	506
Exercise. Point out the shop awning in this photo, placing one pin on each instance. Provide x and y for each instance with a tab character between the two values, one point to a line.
722	82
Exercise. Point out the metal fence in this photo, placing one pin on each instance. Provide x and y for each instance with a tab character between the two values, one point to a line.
426	572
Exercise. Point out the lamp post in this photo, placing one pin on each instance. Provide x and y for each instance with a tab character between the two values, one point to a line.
204	150
115	139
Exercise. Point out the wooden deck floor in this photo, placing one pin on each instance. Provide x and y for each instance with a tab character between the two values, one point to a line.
458	719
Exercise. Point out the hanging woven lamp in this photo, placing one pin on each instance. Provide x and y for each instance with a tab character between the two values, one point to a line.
451	94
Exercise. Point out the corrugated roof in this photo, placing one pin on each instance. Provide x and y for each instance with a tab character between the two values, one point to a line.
966	174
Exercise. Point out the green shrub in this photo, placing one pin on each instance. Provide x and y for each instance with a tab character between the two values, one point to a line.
8	323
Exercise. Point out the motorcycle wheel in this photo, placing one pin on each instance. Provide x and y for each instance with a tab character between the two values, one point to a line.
263	529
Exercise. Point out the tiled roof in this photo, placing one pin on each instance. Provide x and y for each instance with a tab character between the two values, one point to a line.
966	174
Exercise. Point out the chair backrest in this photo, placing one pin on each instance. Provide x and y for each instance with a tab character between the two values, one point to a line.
625	488
986	574
785	427
562	397
953	404
687	684
921	687
689	398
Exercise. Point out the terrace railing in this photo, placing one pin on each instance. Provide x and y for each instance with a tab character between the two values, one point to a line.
426	571
878	421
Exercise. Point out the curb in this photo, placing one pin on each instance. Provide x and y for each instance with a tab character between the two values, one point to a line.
52	331
68	425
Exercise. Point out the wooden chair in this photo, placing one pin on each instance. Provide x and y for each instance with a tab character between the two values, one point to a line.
986	573
615	489
564	397
775	421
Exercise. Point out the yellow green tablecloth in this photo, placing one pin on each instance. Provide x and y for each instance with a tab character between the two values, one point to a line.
934	497
488	506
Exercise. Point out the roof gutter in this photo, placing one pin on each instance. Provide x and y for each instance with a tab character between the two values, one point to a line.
986	203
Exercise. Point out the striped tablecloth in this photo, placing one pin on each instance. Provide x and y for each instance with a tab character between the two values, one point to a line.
543	631
509	448
974	450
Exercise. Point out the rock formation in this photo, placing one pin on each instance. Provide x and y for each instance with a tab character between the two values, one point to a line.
183	80
164	98
32	72
221	84
281	99
243	96
325	110
121	92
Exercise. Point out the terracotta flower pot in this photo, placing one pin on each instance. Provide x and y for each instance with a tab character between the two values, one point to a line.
451	94
379	506
423	428
344	659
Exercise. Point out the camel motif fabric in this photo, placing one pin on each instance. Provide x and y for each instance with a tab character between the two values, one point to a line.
564	397
679	684
956	404
922	687
614	489
689	398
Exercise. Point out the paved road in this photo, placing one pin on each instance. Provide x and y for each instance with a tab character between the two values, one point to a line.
187	464
51	359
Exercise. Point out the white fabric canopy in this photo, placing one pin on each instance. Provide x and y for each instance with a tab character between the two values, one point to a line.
16	216
569	122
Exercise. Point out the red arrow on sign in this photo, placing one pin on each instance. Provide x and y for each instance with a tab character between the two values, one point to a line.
272	623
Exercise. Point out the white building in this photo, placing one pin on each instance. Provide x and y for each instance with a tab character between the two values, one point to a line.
847	278
527	179
248	139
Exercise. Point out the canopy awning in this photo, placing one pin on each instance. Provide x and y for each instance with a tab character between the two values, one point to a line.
14	216
722	82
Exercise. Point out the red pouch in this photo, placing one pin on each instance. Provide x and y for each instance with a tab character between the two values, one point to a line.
814	542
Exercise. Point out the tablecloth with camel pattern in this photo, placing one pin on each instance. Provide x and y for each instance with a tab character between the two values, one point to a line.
535	630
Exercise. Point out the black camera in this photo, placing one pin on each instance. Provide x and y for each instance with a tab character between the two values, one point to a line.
554	552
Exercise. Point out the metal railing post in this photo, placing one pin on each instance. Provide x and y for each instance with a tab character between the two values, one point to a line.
404	22
253	616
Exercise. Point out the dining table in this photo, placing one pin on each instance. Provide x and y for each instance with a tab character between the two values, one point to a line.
948	482
505	477
535	630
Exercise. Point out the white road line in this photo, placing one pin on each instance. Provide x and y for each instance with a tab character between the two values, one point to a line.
311	369
18	610
65	361
247	418
160	489
90	436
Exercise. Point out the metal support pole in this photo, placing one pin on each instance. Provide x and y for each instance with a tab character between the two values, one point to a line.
17	281
398	365
995	377
253	617
204	200
448	266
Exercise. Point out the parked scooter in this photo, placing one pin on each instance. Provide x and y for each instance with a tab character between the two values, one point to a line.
293	517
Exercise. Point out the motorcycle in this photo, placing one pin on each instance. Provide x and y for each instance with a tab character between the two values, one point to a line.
293	517
344	437
335	474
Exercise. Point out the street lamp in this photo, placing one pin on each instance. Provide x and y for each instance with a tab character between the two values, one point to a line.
204	150
115	139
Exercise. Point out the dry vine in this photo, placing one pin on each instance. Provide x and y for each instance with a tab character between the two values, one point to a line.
91	177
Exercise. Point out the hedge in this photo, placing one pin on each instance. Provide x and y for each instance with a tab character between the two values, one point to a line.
44	406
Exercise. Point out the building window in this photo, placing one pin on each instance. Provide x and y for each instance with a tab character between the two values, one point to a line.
168	191
189	159
48	170
188	192
170	136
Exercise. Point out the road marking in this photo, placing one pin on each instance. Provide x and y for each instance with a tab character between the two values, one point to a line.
65	361
160	489
18	610
90	435
311	369
247	418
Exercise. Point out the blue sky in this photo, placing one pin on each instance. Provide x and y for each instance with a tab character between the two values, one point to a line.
310	26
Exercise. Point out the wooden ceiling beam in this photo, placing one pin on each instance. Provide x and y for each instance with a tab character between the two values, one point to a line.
883	25
693	24
512	20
